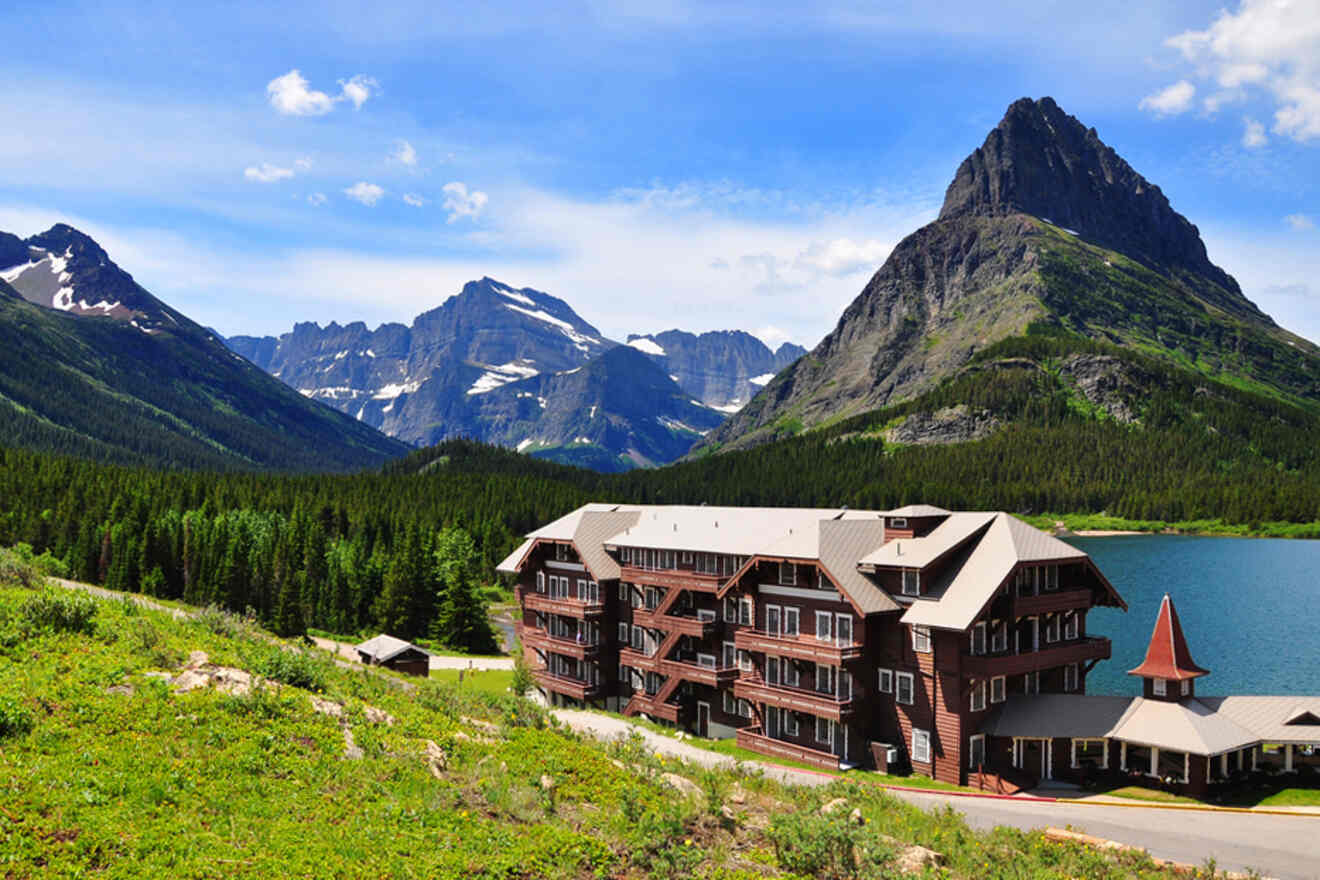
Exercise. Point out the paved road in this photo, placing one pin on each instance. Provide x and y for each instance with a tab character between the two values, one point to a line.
1286	847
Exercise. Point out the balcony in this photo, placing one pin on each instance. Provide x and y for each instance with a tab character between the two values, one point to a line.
637	660
798	647
753	739
542	641
1048	657
797	699
567	607
672	579
689	670
680	623
1051	603
647	704
572	687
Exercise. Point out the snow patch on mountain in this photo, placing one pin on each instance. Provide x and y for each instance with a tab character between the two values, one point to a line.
506	291
762	380
503	374
389	392
647	346
579	340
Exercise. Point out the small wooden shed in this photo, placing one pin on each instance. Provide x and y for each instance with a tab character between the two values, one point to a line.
395	654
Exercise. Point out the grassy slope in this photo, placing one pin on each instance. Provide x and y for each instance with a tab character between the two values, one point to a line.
155	783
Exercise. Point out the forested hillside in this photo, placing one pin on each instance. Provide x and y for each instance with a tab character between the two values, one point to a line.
1044	423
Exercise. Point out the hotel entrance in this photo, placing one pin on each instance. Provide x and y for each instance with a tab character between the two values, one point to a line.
1033	756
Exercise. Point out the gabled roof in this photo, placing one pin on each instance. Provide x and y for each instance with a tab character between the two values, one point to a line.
1186	726
383	648
1167	655
593	530
1271	719
916	510
920	552
737	531
989	546
842	543
513	561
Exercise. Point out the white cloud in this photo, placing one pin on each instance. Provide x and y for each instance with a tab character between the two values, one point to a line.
414	200
404	154
267	173
843	256
1170	101
1271	47
1253	135
1300	222
292	95
772	336
358	89
366	193
303	164
316	199
460	203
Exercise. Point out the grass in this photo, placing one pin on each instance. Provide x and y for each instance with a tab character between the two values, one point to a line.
1138	793
105	770
1079	522
490	681
1292	797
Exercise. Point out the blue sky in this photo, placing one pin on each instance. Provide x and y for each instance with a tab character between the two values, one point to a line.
705	166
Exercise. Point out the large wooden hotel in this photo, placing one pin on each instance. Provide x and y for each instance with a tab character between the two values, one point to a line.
938	640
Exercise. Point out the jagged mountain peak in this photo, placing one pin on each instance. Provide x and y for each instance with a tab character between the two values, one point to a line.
1039	160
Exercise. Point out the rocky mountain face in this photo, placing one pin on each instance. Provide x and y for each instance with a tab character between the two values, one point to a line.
1043	226
723	369
516	367
91	364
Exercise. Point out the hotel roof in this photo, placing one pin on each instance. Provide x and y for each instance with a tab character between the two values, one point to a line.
1167	655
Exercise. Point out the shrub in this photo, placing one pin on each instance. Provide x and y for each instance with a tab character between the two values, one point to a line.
16	570
522	680
295	668
52	611
220	622
15	719
812	844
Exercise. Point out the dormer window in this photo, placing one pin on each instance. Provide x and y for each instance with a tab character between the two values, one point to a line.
787	574
898	522
563	553
911	583
1159	687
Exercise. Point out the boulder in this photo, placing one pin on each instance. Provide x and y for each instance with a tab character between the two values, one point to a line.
352	751
684	786
191	680
834	806
198	659
379	716
916	859
327	707
436	759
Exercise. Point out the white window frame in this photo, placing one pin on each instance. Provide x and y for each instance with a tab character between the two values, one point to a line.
1104	751
911	582
921	639
1070	621
687	557
540	582
829	731
920	746
1031	683
1071	672
1052	629
838	630
899	679
1186	686
794	614
729	655
730	609
744	660
998	685
972	742
772	670
1051	578
778	628
746	611
624	591
624	632
730	703
788	722
827	629
998	636
829	673
788	574
898	522
978	697
1159	687
978	638
885	685
790	675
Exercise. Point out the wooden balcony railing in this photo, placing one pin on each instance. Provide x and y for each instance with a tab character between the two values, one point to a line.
1051	602
754	739
688	626
542	641
642	704
567	607
1048	657
798	647
797	699
638	660
689	670
672	579
573	687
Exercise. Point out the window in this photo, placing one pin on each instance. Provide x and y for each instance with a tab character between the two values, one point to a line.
978	697
1052	628
593	592
904	684
1026	582
624	590
745	661
623	633
730	610
976	751
1051	577
687	557
921	639
1070	625
997	689
998	636
540	582
790	621
730	704
843	629
562	554
1031	683
1186	687
978	638
1070	677
625	554
1158	687
823	621
825	679
773	617
730	656
911	583
706	614
582	589
886	681
652	598
825	732
745	708
898	522
1090	751
638	638
787	573
790	722
920	746
772	670
745	611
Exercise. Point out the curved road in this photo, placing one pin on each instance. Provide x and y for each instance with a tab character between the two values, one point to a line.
1280	846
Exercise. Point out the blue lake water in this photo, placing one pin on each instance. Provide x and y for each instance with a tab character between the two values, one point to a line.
1250	608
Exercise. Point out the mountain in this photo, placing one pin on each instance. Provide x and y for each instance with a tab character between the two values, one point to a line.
723	369
1043	226
519	368
91	364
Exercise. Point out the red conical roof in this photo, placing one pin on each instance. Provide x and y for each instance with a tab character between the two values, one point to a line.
1167	656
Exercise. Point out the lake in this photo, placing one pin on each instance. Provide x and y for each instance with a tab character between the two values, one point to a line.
1250	608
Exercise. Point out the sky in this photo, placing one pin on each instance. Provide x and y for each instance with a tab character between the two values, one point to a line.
659	164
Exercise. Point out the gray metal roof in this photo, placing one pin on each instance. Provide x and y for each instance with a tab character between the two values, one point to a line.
1186	726
594	528
1268	717
383	648
1058	715
842	543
